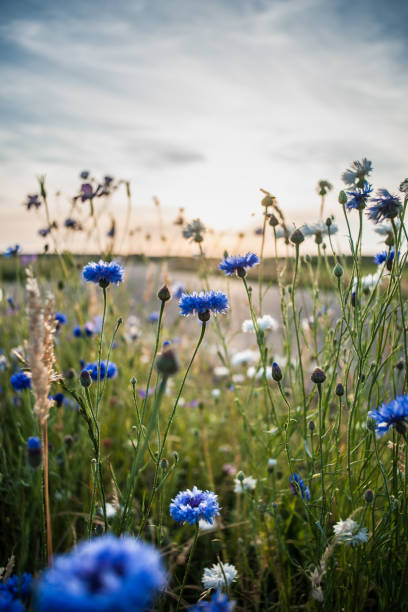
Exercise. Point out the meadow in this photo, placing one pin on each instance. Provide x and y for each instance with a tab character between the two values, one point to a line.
206	434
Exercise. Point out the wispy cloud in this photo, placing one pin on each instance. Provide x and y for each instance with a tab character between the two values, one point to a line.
203	103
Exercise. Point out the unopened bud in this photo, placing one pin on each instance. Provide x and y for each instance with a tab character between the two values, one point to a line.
338	271
297	237
34	452
267	201
311	425
167	363
318	376
273	221
164	294
339	390
368	496
342	197
276	372
85	378
241	476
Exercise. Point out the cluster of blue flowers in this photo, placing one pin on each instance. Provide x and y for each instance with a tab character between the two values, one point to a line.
385	256
12	251
15	592
20	380
88	330
298	486
193	504
105	574
103	273
61	318
237	264
359	197
109	370
200	303
393	414
218	603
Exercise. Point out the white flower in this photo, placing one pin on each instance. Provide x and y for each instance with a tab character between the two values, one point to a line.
264	323
205	525
313	228
368	282
386	228
110	510
247	484
347	531
259	372
216	393
244	357
221	371
217	575
272	462
238	379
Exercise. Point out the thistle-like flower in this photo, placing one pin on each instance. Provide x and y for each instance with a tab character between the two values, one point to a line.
215	302
393	414
298	486
359	197
386	206
218	603
103	273
348	531
238	264
358	172
192	505
109	370
219	575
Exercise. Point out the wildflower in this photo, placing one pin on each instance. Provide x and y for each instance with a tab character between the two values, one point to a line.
359	197
192	505
386	206
177	290
61	318
404	186
238	264
385	256
34	451
77	331
86	192
103	273
260	372
44	232
339	390
109	370
72	224
164	294
153	317
248	483
323	187
272	463
216	393
203	303
264	323
319	228
221	371
33	200
298	486
358	172
297	237
20	380
368	282
393	414
12	251
167	363
276	372
15	591
244	357
58	399
219	575
318	376
194	230
218	603
89	329
105	574
348	532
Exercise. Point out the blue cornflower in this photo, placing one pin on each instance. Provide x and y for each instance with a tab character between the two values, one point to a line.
17	586
20	380
192	505
203	303
61	318
12	251
77	331
105	574
89	329
394	414
110	371
218	603
153	317
43	232
103	272
33	444
386	206
298	486
33	200
58	399
238	264
9	604
380	258
358	172
84	175
359	197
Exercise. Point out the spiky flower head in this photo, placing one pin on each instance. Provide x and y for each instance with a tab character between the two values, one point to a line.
203	302
105	574
191	505
219	575
108	369
238	264
194	231
393	414
218	603
103	273
358	172
359	197
20	380
386	206
298	486
348	532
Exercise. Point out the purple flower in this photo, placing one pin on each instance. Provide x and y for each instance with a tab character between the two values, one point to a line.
33	200
86	192
359	197
192	505
357	173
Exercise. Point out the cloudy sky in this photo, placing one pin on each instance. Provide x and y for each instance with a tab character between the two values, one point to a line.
201	103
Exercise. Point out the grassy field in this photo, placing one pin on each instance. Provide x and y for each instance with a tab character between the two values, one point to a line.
264	404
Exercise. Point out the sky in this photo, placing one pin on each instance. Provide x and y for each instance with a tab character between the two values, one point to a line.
200	103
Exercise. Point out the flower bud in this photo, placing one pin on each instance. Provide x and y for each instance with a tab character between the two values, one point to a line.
204	316
167	363
368	496
338	271
318	376
311	425
276	372
34	452
164	294
297	237
342	197
241	476
273	221
329	221
268	200
68	441
85	378
339	390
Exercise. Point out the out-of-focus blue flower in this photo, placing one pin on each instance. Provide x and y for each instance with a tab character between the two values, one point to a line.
14	591
386	206
77	331
89	329
380	258
12	251
393	414
237	263
103	273
58	399
110	371
61	318
142	393
33	443
20	380
212	301
33	200
357	173
43	232
298	486
84	175
105	574
218	603
359	197
72	224
9	604
177	290
153	317
86	192
192	505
